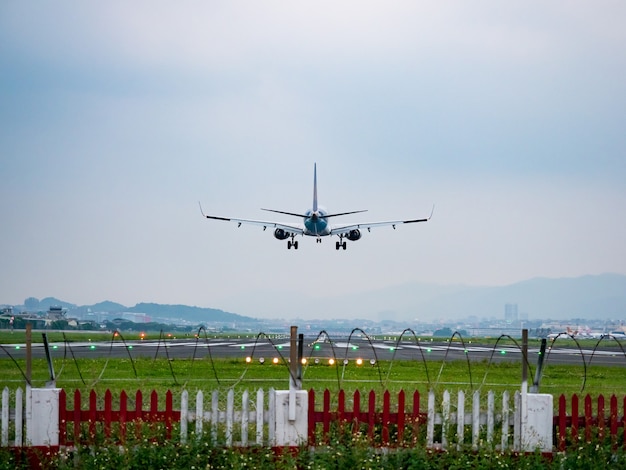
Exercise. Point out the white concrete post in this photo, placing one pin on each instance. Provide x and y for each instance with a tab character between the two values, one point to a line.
536	422
290	432
42	417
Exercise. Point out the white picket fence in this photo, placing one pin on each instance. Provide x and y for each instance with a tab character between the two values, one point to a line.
481	421
13	414
235	424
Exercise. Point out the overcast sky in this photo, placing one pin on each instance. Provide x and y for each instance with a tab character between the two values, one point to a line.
116	118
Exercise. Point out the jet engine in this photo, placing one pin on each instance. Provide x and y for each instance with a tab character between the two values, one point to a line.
281	234
353	235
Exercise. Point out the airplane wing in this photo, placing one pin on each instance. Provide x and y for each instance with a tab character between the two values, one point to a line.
344	229
293	228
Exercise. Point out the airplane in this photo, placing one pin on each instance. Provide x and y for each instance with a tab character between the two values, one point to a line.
316	223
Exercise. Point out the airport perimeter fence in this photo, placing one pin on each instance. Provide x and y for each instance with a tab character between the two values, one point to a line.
436	422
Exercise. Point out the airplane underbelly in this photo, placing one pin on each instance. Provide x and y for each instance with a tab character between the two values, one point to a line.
317	229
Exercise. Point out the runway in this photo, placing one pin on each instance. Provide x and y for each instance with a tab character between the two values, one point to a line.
608	355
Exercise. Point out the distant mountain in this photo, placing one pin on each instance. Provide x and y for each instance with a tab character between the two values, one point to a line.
593	297
193	314
599	296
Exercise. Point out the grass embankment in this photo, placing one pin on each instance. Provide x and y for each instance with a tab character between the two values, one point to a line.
203	374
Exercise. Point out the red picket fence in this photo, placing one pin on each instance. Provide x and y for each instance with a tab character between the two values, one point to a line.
103	420
378	424
589	426
382	426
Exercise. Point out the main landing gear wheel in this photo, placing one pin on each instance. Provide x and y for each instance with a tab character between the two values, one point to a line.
292	243
340	245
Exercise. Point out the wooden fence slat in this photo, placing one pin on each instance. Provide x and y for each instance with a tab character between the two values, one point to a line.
371	418
214	415
475	419
77	416
613	421
575	418
445	419
356	412
138	414
386	417
260	400
123	414
401	417
108	406
562	429
19	417
312	420
245	417
430	421
588	418
460	419
4	440
326	411
184	416
600	418
230	412
491	405
504	442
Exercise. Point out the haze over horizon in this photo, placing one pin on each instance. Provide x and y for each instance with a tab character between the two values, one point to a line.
116	118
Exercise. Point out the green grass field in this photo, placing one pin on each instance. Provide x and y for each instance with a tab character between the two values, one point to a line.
161	374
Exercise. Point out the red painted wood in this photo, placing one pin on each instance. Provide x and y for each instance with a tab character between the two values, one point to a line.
386	417
312	420
371	416
613	421
562	416
93	414
575	418
123	415
138	418
400	419
356	412
326	411
108	406
588	418
600	419
77	416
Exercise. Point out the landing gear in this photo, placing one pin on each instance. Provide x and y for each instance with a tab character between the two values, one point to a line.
291	243
340	244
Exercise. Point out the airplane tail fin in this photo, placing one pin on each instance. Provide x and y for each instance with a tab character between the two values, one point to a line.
315	187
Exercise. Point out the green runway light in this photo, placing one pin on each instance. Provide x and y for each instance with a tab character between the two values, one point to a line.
317	346
354	348
428	350
503	352
92	347
280	347
243	347
17	347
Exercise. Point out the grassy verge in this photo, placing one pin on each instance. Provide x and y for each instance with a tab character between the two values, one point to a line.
176	375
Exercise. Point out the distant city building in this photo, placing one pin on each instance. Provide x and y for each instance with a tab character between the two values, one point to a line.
510	313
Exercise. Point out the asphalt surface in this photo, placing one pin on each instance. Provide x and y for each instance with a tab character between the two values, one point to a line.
609	354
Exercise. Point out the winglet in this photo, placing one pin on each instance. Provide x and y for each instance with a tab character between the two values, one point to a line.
201	211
